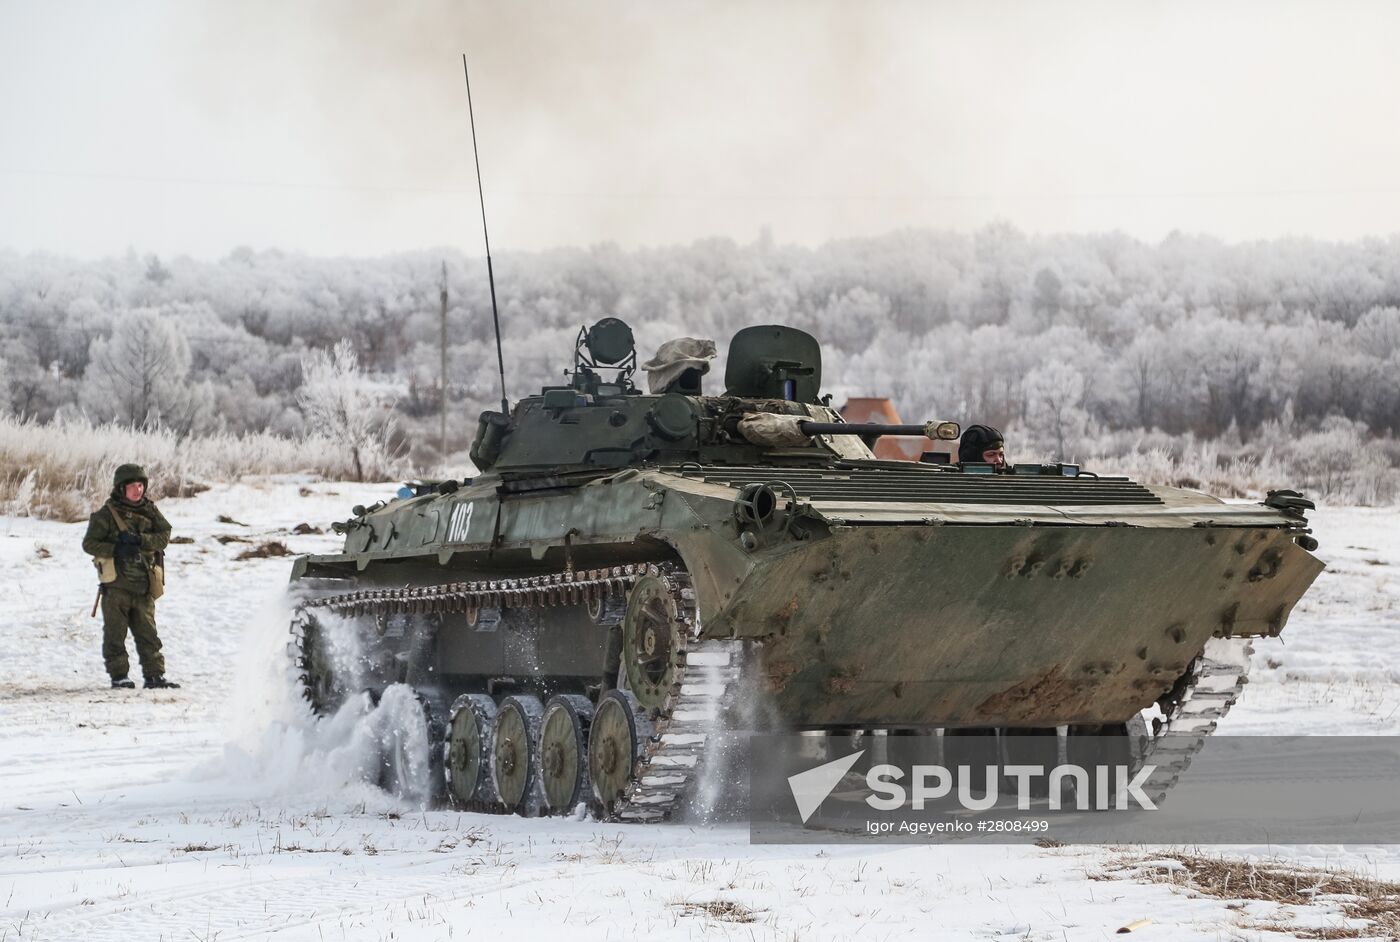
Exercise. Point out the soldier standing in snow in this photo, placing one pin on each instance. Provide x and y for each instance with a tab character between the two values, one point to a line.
127	537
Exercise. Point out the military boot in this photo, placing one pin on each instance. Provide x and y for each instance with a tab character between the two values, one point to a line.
125	683
159	682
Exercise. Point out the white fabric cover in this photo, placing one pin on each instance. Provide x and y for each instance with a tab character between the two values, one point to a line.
674	357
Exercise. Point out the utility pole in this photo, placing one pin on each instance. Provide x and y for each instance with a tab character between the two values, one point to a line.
442	374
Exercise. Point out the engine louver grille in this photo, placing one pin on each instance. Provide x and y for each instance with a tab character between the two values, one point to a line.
929	486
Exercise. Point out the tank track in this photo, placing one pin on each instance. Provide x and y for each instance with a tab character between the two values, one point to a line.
672	760
684	728
570	587
1193	709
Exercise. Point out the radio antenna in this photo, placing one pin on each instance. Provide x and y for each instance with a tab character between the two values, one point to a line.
486	236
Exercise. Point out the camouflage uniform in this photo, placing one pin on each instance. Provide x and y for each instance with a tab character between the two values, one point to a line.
126	603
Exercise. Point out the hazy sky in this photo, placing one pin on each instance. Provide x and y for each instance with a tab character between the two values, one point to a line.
341	127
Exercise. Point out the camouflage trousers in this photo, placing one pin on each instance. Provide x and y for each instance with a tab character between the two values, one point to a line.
124	611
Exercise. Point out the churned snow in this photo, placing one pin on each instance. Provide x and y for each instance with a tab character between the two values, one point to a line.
224	811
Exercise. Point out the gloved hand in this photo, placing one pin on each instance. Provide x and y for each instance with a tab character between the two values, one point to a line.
128	545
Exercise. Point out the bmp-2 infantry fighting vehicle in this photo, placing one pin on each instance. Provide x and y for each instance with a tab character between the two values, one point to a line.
584	616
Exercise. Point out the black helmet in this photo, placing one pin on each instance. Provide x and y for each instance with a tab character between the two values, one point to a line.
977	439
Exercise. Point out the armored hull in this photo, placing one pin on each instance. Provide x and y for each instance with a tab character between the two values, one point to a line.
632	601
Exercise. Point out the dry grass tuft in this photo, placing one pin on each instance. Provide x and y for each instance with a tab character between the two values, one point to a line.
264	550
720	910
1355	896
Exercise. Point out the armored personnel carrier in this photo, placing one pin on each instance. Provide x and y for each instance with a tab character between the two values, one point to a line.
582	617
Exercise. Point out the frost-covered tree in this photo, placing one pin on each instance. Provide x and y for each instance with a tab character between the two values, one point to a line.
1378	331
139	376
1046	302
1140	367
1055	408
342	403
849	321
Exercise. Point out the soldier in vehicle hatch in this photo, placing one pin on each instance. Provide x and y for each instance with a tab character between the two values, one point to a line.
982	443
127	537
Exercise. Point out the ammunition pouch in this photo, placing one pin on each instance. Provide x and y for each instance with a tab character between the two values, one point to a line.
155	569
106	569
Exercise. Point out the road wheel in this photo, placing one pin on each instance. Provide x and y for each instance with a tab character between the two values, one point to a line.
515	754
564	752
616	741
467	750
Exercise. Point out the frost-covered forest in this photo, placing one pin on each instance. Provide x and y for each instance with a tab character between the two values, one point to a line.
1235	365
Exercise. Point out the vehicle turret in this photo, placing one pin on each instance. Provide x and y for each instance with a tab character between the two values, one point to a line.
770	410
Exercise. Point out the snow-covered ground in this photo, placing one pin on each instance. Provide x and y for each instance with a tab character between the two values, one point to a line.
221	811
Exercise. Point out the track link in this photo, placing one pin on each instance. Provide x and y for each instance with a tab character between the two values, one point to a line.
1194	709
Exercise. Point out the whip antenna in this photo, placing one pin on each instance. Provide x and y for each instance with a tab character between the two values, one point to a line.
486	236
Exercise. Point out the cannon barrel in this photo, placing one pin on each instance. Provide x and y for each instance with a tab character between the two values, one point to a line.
946	431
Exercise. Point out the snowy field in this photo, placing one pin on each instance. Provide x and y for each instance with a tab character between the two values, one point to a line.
221	811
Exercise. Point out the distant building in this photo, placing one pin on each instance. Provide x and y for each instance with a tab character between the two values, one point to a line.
890	447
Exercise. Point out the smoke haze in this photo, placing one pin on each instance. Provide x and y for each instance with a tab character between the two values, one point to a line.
342	127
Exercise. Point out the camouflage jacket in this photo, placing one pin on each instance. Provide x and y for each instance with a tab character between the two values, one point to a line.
143	519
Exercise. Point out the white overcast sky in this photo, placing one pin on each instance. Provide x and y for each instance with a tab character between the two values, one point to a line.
341	127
